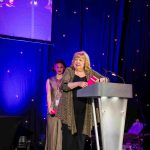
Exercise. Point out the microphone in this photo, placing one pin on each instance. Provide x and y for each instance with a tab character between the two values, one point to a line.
114	74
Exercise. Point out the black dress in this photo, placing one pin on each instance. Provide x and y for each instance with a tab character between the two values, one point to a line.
79	106
76	141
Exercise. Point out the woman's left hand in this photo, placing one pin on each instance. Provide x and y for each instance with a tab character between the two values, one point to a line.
103	80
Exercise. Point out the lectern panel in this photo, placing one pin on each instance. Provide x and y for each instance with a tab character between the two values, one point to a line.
106	89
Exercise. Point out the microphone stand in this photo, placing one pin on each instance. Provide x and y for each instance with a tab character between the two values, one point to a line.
114	74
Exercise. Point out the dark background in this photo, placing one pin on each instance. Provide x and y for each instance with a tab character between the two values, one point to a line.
115	34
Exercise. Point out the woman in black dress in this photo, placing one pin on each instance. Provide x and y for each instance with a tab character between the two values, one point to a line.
76	113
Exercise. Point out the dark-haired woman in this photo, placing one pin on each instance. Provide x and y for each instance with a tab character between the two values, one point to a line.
53	129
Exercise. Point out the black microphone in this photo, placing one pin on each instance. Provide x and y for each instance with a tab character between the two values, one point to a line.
114	74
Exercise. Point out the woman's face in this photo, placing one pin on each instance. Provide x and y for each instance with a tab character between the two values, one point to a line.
59	68
79	63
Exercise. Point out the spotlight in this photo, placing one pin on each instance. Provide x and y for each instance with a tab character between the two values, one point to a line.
34	2
10	3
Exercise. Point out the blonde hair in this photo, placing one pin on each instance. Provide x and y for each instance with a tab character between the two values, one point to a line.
84	55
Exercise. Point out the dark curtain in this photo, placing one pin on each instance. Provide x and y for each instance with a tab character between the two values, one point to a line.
115	34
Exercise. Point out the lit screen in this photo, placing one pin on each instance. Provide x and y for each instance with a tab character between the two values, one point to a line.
26	18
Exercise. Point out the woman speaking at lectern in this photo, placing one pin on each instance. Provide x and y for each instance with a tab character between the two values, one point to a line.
76	113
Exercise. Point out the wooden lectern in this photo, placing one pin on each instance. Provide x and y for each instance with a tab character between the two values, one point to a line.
112	100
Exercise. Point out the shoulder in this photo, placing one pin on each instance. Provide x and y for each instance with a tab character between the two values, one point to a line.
69	70
68	74
51	79
95	73
90	71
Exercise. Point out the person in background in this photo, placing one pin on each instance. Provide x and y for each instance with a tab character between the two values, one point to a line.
53	129
76	113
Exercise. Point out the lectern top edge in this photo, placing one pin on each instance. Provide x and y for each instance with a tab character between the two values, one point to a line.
106	89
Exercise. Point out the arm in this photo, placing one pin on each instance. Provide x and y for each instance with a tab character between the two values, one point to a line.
67	83
81	84
100	77
97	74
48	95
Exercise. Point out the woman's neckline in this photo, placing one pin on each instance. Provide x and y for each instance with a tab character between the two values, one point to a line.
80	76
58	77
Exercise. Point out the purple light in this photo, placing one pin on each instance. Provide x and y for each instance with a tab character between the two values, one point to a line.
86	8
17	96
34	2
21	52
30	70
26	21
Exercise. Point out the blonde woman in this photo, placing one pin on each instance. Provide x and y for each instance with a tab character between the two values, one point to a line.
76	113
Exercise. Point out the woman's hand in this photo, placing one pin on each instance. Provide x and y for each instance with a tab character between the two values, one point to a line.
50	110
103	80
82	84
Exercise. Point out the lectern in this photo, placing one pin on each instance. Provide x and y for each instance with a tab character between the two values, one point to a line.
112	100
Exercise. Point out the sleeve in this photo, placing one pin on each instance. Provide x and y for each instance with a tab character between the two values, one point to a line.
65	80
97	74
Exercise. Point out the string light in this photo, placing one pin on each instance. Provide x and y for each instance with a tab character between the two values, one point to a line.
21	52
145	75
63	35
139	20
115	39
135	95
8	71
147	5
137	50
30	70
108	16
86	8
17	96
75	12
26	121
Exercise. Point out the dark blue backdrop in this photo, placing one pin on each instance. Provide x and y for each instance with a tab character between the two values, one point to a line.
116	36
